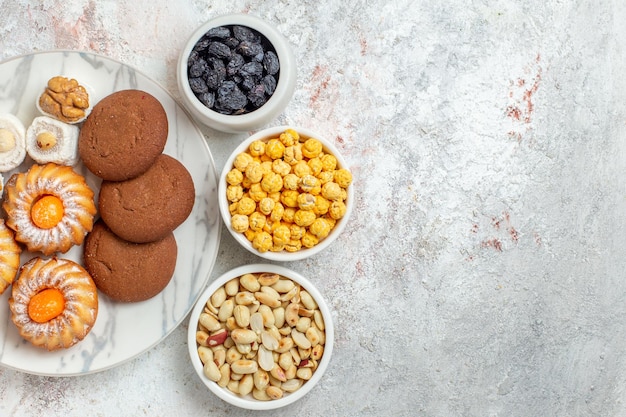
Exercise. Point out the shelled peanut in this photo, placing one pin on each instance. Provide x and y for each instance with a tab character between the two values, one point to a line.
261	334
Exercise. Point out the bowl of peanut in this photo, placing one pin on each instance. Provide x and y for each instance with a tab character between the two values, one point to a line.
260	336
286	193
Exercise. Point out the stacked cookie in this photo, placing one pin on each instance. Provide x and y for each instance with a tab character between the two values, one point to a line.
144	196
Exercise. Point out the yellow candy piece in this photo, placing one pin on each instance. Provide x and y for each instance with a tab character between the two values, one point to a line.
309	240
316	166
239	223
289	198
331	191
234	193
281	235
277	212
306	201
320	228
242	160
257	221
343	177
322	205
291	182
304	218
256	192
257	148
293	154
310	184
254	172
272	182
326	176
296	232
274	149
294	245
262	242
311	148
329	162
246	206
266	205
234	177
281	167
337	210
301	169
289	137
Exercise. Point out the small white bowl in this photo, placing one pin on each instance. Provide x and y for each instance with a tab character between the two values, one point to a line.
285	86
284	256
249	402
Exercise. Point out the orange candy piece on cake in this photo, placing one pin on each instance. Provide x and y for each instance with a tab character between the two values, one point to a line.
46	305
47	212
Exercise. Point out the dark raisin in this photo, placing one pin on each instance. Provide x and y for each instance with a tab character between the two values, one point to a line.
219	50
269	82
198	68
270	63
256	95
232	42
213	79
208	99
202	44
193	57
198	85
259	57
220	32
251	68
244	33
230	97
249	49
218	108
249	82
218	65
236	62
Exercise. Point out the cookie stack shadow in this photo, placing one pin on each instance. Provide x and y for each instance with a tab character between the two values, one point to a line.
144	196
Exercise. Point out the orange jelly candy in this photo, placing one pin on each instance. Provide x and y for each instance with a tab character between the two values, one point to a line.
47	212
46	305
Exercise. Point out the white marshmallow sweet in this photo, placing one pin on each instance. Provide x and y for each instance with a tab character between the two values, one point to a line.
50	140
12	142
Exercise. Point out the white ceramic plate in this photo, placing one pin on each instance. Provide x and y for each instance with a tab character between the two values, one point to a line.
122	330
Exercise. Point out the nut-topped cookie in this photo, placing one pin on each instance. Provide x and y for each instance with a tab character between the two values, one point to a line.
124	134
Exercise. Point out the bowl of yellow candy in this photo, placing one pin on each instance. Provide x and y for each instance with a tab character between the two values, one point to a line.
286	193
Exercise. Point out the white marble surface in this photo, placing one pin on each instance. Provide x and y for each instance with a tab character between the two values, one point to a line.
483	270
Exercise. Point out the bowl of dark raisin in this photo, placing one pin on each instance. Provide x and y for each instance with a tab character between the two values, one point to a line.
236	73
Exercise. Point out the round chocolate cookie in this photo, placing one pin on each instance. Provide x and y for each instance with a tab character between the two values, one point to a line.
127	271
150	206
123	135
